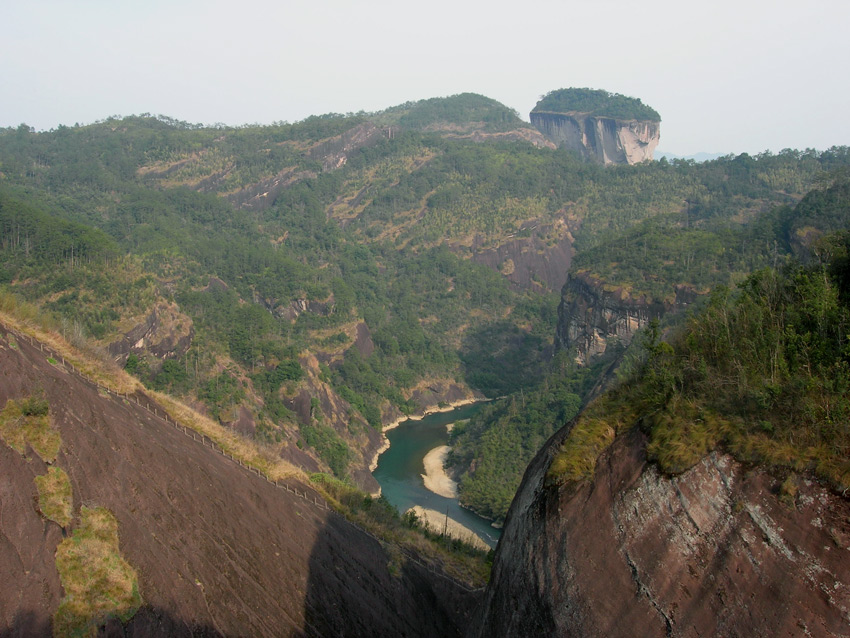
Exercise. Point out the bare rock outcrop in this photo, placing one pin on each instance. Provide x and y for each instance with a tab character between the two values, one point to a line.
530	135
538	256
166	333
712	552
592	315
605	140
332	153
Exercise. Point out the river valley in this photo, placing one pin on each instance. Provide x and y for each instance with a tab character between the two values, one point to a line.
400	469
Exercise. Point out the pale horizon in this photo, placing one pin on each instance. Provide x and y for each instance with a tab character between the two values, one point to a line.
729	77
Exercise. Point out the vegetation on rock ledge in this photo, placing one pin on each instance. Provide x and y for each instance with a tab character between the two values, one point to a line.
763	370
98	582
596	102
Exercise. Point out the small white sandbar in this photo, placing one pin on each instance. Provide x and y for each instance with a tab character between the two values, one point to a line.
436	522
435	476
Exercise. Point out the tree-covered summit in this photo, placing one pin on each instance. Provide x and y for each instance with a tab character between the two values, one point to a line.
596	102
460	110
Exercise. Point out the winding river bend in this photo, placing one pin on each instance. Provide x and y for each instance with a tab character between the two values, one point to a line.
400	469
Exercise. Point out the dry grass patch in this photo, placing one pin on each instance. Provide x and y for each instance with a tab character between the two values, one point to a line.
249	452
576	460
55	498
683	434
593	432
98	582
27	421
27	319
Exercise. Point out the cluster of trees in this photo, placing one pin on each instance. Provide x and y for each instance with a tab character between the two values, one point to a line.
493	448
763	369
792	321
462	109
596	102
33	240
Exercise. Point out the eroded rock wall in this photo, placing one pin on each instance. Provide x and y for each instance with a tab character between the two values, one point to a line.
591	315
600	139
712	552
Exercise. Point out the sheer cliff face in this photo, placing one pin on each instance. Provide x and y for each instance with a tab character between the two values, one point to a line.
601	139
591	316
712	552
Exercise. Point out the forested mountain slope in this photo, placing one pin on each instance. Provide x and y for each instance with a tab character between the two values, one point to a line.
306	283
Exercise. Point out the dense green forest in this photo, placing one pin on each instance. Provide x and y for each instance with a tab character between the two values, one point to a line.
276	248
597	103
713	254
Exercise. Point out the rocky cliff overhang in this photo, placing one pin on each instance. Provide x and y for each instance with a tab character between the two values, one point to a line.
604	140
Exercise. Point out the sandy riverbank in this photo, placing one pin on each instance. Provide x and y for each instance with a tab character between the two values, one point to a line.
437	522
385	444
448	407
435	476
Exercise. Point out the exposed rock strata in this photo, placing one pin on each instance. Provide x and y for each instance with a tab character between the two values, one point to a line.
592	315
530	135
712	552
604	140
332	153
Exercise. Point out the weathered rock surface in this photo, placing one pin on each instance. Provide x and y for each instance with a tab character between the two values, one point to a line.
473	134
166	333
712	552
591	315
333	152
538	256
219	551
604	140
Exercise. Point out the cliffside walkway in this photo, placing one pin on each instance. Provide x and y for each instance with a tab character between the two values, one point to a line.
143	401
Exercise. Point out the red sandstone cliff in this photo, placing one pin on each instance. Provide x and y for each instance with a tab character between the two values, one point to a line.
219	551
712	552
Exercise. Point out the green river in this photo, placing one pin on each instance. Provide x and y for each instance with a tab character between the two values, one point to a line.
400	469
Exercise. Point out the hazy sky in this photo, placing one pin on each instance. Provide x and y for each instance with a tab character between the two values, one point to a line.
726	76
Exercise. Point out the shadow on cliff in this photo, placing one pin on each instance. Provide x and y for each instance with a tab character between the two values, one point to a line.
148	622
359	586
219	550
499	358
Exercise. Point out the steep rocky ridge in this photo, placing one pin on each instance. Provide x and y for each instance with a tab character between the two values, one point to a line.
592	315
219	551
713	551
605	140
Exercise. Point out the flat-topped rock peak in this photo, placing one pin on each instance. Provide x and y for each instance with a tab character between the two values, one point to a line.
602	127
